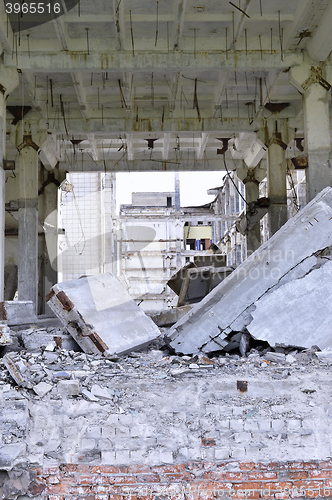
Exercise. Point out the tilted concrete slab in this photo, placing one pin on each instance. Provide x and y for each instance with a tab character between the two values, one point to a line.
170	316
302	313
230	305
101	316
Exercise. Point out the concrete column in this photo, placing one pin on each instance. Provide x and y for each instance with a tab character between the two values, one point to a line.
9	80
251	177
276	141
312	83
48	254
28	223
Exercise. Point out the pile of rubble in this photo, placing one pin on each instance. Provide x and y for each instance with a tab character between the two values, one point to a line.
59	373
277	299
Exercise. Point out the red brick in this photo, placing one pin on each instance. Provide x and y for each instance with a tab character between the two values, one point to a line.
236	476
298	475
270	466
278	486
121	479
262	475
304	485
62	487
214	475
134	469
247	486
55	497
46	471
167	469
103	469
328	483
100	497
90	479
312	493
325	465
303	466
282	495
147	478
79	489
178	478
325	474
53	479
248	466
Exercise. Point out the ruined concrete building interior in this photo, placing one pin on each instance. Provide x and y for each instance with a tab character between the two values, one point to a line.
156	349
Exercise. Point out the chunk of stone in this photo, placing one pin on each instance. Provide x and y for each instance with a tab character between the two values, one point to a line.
101	392
18	369
276	357
301	311
42	389
307	233
68	388
17	312
101	316
88	395
170	316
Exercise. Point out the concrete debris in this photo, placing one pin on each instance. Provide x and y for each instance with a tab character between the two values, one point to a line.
42	389
16	312
5	334
15	483
170	316
68	388
18	368
101	316
41	338
196	279
302	313
290	261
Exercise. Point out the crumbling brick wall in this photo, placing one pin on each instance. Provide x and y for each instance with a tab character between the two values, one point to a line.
195	479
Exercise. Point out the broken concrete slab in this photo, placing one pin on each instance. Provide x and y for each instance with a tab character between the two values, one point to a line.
301	309
198	282
33	339
170	316
17	312
101	316
175	282
214	260
68	388
233	301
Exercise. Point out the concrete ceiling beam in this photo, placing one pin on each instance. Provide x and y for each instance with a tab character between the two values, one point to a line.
172	61
202	145
179	23
119	24
141	165
166	146
320	44
155	125
306	18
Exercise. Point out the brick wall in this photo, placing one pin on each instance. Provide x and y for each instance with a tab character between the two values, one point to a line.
193	480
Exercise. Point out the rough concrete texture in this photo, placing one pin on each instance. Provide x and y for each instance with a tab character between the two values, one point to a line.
290	254
170	316
39	338
151	408
301	311
101	316
17	312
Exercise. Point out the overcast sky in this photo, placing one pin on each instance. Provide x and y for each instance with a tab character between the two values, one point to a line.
193	185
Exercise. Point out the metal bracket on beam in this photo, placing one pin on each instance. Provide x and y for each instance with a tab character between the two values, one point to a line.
28	143
316	77
276	139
